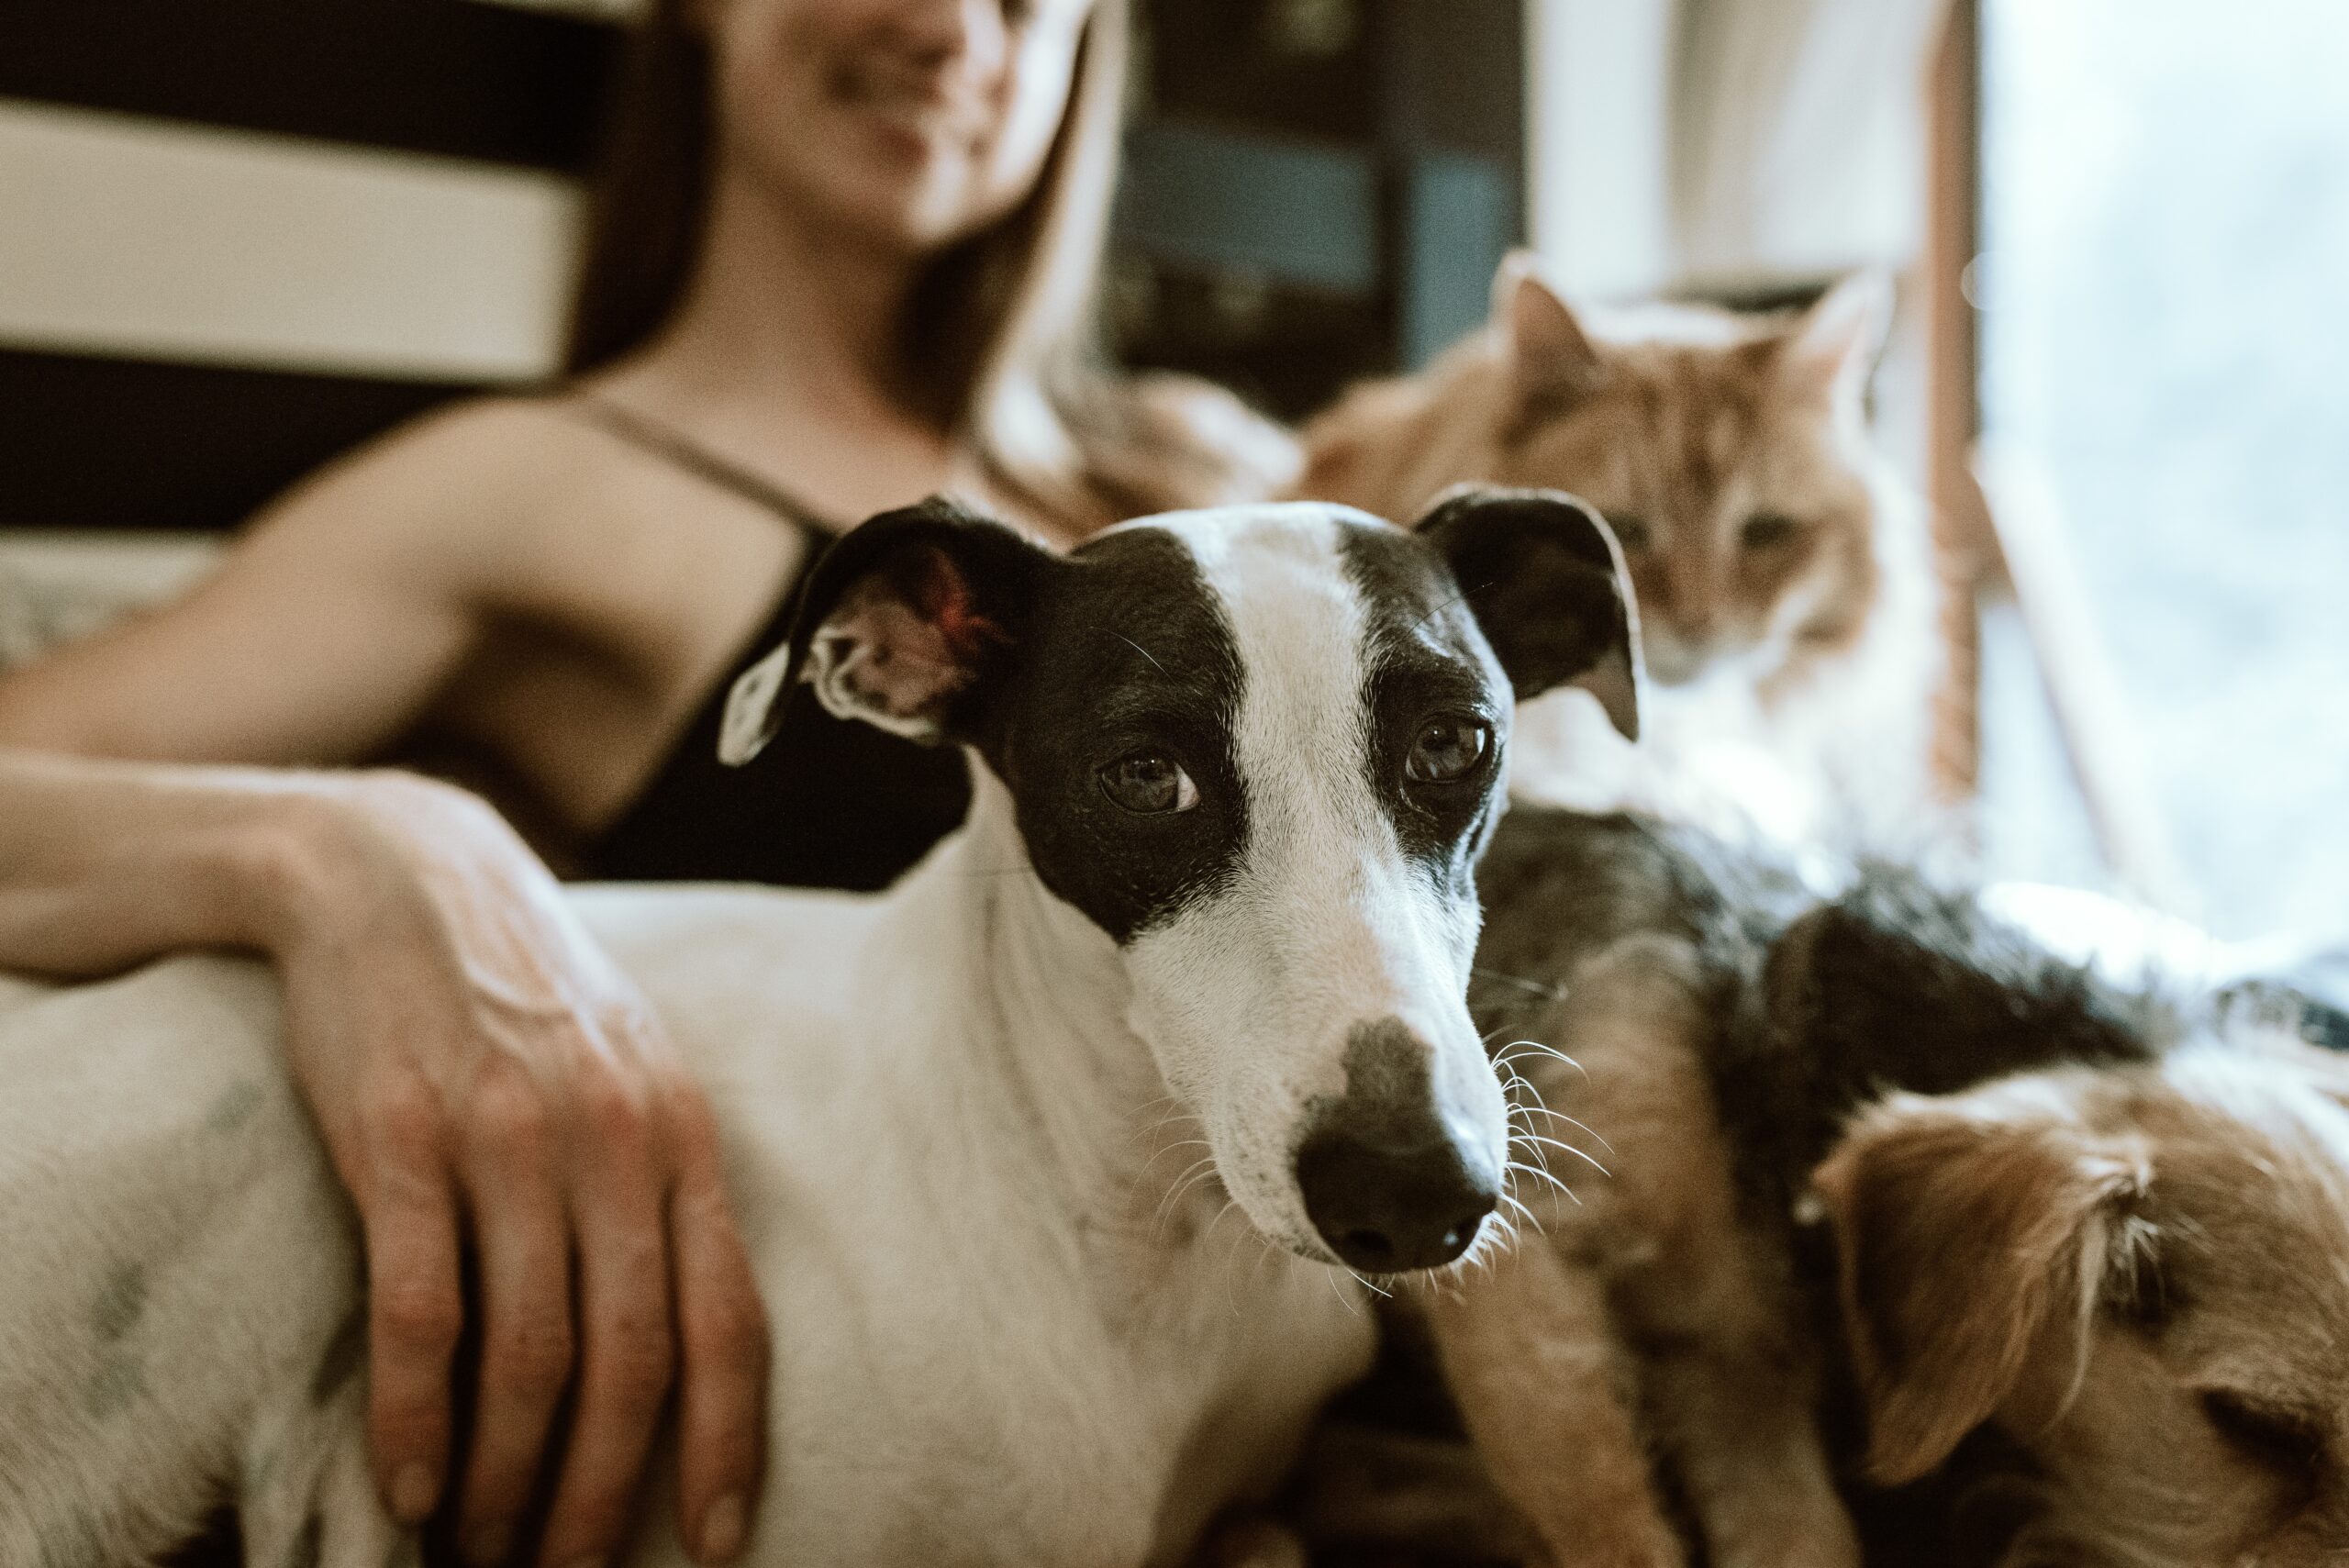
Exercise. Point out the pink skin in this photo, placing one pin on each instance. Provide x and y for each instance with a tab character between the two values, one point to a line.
857	137
912	123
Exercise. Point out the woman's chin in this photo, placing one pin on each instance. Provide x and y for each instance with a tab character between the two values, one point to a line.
900	202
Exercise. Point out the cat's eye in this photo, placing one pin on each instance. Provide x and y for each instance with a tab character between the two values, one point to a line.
2261	1433
1768	530
1448	749
1149	784
1632	533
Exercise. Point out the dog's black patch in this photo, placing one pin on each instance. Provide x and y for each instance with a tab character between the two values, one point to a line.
1388	1098
1547	587
1386	1181
988	570
1425	664
1126	652
1898	984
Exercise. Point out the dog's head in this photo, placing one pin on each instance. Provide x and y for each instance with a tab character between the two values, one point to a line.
2139	1277
1260	750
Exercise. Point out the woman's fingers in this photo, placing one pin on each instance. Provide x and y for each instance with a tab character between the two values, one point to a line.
474	1056
722	1333
523	1235
626	1349
416	1301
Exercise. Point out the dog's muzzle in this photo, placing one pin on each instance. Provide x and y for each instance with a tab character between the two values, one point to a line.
1388	1181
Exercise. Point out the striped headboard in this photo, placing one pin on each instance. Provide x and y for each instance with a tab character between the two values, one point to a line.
237	235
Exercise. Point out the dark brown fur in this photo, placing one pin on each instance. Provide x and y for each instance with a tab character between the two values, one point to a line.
2075	1259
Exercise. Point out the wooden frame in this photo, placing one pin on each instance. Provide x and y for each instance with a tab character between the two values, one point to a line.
1965	549
1998	529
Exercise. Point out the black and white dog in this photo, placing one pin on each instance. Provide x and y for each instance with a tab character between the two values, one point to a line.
1233	771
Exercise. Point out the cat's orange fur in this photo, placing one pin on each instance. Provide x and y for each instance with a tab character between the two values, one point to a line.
1785	593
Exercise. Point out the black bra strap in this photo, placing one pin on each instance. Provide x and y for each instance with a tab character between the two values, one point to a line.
680	451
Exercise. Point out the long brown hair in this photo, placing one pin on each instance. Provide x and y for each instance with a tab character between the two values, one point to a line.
1009	347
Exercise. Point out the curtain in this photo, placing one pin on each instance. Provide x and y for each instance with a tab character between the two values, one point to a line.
1796	136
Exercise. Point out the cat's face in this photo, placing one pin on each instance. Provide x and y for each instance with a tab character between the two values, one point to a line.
1729	455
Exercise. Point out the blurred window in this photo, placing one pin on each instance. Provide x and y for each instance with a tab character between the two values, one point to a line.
2165	287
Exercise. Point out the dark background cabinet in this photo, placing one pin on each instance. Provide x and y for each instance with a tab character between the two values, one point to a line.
1316	190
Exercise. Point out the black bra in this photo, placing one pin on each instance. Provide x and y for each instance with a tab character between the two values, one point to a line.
831	803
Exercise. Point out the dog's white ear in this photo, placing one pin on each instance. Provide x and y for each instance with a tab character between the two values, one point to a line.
1833	348
1546	581
1551	357
1975	1242
899	625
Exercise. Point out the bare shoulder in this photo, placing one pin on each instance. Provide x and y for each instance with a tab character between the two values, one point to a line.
529	512
455	487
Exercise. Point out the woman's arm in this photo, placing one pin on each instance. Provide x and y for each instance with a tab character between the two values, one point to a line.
475	1063
474	1060
329	625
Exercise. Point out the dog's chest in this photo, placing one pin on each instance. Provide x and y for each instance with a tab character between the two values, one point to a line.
1002	1386
968	1367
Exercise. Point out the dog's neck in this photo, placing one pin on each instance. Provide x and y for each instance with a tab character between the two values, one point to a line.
1052	1047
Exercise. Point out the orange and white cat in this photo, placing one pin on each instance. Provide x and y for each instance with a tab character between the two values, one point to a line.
1785	594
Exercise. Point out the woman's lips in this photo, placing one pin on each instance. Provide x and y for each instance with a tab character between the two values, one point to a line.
925	109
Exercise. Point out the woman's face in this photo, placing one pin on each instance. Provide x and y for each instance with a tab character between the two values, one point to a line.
913	122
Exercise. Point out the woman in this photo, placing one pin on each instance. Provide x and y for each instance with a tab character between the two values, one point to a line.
844	260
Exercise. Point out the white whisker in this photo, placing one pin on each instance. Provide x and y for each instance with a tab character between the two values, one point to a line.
1577	1154
1340	1293
1538	1049
1545	1175
1527	1214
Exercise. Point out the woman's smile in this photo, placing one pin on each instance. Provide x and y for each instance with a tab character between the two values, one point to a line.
920	112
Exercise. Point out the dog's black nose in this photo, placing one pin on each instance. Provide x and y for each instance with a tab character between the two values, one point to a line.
1384	1208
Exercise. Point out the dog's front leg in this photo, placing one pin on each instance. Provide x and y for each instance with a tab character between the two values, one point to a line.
1737	1416
1530	1350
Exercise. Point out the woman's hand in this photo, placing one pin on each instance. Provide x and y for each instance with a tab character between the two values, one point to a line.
480	1069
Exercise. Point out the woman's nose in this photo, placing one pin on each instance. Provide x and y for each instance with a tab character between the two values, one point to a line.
971	34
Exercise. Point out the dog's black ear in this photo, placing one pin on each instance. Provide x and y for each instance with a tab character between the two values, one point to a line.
1546	580
901	624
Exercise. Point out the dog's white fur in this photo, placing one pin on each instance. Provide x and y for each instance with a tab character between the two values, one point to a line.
955	1117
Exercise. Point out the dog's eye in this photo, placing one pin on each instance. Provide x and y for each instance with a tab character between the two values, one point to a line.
1632	533
2277	1439
1149	783
1768	530
1448	749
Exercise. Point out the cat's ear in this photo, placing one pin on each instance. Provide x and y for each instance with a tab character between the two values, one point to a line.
1550	359
1831	349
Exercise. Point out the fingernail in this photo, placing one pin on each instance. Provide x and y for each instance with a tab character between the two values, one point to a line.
414	1492
721	1528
